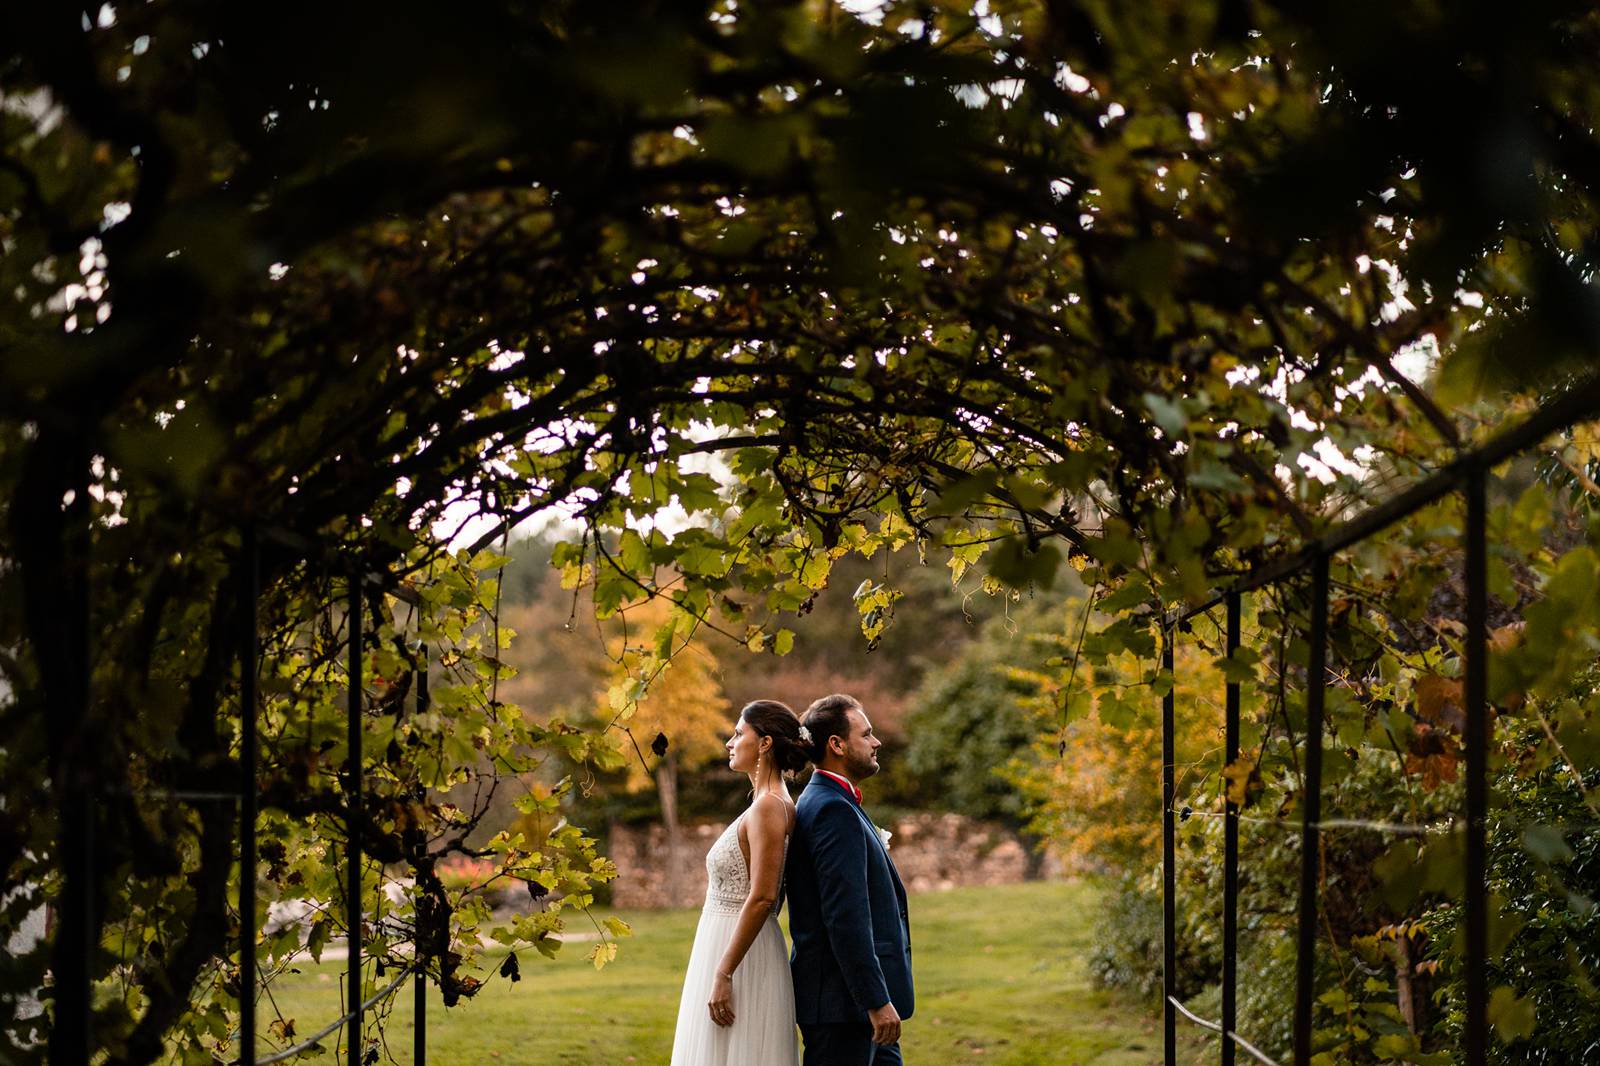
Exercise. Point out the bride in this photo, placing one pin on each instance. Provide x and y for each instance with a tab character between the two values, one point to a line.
738	998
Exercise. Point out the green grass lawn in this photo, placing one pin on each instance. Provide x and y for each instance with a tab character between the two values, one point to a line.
1000	979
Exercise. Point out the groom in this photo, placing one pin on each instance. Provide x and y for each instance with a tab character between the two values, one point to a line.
847	907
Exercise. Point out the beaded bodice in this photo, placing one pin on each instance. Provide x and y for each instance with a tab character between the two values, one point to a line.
728	874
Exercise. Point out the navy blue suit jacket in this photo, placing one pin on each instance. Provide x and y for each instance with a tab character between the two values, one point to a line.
847	913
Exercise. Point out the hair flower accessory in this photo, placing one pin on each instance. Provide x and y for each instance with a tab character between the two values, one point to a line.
805	734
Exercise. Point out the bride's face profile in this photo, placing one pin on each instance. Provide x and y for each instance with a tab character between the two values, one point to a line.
744	748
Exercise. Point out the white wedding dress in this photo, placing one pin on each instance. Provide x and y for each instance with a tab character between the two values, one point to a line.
763	1031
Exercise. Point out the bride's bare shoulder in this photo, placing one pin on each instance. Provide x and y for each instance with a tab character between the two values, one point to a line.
772	813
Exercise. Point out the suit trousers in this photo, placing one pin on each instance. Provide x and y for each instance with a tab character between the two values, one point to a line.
847	1044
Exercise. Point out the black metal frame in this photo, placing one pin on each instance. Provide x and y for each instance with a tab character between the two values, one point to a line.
419	960
72	1042
249	758
249	654
1230	848
1468	475
352	857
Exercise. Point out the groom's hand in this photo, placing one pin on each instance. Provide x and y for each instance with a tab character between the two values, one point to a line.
885	1024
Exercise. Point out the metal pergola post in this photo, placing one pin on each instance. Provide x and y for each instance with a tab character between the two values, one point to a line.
73	772
353	826
1476	737
249	655
419	1036
1169	884
1230	847
1311	815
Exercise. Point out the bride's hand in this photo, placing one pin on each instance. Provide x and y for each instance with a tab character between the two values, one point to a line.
721	1003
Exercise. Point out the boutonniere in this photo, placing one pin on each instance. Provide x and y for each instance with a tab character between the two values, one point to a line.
883	837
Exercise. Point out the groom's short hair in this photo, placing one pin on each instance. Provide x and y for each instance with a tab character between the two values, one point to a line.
828	717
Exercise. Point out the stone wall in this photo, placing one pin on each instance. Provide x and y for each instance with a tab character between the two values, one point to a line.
931	851
644	864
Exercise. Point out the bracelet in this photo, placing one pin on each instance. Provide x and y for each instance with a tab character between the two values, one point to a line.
728	976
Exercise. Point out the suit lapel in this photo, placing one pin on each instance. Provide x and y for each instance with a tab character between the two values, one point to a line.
871	828
821	781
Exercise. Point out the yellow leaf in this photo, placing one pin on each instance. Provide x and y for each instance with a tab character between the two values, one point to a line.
1513	1016
1243	780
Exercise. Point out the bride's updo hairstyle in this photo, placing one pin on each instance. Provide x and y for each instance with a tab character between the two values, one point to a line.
769	718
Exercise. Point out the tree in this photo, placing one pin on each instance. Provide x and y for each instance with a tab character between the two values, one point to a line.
1090	774
557	650
971	717
683	718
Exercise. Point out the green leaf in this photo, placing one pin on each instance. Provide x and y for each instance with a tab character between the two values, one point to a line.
1116	546
756	144
1393	1047
1018	565
633	552
1214	476
1134	592
1239	668
962	556
1400	873
698	492
957	496
1547	843
1115	712
814	572
1512	1016
1168	414
705	560
1504	924
317	939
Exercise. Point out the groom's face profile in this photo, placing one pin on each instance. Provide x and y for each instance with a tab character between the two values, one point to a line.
858	758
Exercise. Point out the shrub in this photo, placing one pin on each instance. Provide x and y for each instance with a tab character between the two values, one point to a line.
1544	878
1129	955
